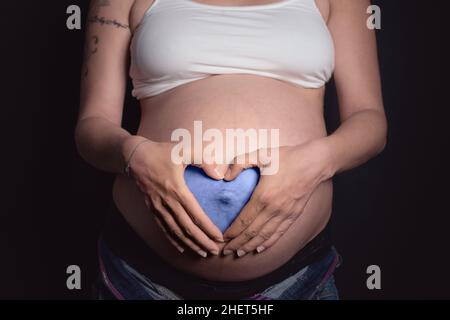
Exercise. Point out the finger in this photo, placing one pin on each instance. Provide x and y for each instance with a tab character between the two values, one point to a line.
268	224
233	171
275	237
239	163
197	216
257	158
210	167
248	214
191	229
246	245
259	231
251	231
168	236
296	211
176	230
266	233
215	171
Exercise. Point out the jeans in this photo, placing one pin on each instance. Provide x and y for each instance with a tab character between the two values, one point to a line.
119	281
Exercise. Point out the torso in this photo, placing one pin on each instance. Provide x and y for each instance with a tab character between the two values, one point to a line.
230	101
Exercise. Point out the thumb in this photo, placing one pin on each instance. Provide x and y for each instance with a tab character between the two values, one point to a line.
240	163
214	171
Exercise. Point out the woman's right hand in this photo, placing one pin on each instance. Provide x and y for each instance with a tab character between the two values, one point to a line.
176	210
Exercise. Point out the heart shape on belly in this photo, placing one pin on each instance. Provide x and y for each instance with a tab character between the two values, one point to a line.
221	200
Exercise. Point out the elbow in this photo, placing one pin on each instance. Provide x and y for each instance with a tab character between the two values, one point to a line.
382	145
79	136
383	134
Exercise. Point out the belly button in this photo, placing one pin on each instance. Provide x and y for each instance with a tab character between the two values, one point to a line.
225	199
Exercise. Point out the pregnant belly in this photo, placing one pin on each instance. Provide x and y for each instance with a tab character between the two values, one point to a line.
223	102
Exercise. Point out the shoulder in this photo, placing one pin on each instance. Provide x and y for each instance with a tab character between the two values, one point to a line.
114	13
116	7
348	6
348	18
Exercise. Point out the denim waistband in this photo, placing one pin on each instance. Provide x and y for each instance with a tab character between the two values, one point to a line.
121	281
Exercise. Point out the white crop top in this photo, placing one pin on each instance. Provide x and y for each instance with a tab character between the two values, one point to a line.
179	41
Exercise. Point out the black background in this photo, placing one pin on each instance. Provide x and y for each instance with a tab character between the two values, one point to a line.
391	212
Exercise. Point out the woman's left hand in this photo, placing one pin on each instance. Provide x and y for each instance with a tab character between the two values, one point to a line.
279	199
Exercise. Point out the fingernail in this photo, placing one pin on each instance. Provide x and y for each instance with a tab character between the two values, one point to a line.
227	252
181	250
202	253
240	253
227	173
260	249
215	252
219	174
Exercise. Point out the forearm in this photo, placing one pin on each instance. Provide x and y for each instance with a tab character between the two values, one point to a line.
359	138
104	144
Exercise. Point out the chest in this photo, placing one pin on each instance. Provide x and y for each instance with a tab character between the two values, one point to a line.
141	6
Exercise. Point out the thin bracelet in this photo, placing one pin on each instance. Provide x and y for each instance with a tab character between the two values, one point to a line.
127	166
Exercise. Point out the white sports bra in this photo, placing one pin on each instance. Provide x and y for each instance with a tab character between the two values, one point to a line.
179	41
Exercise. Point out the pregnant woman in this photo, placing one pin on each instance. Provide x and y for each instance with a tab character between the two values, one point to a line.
226	229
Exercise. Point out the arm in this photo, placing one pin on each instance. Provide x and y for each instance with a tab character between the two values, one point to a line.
99	137
362	133
102	141
278	200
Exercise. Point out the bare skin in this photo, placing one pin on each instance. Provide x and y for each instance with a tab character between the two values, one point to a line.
287	209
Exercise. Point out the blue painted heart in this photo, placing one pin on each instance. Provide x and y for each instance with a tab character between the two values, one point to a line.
221	200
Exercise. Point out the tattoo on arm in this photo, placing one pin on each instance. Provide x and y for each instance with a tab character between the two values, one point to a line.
104	21
89	50
94	13
91	46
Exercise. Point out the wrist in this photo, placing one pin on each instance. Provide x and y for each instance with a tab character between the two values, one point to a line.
326	158
128	147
